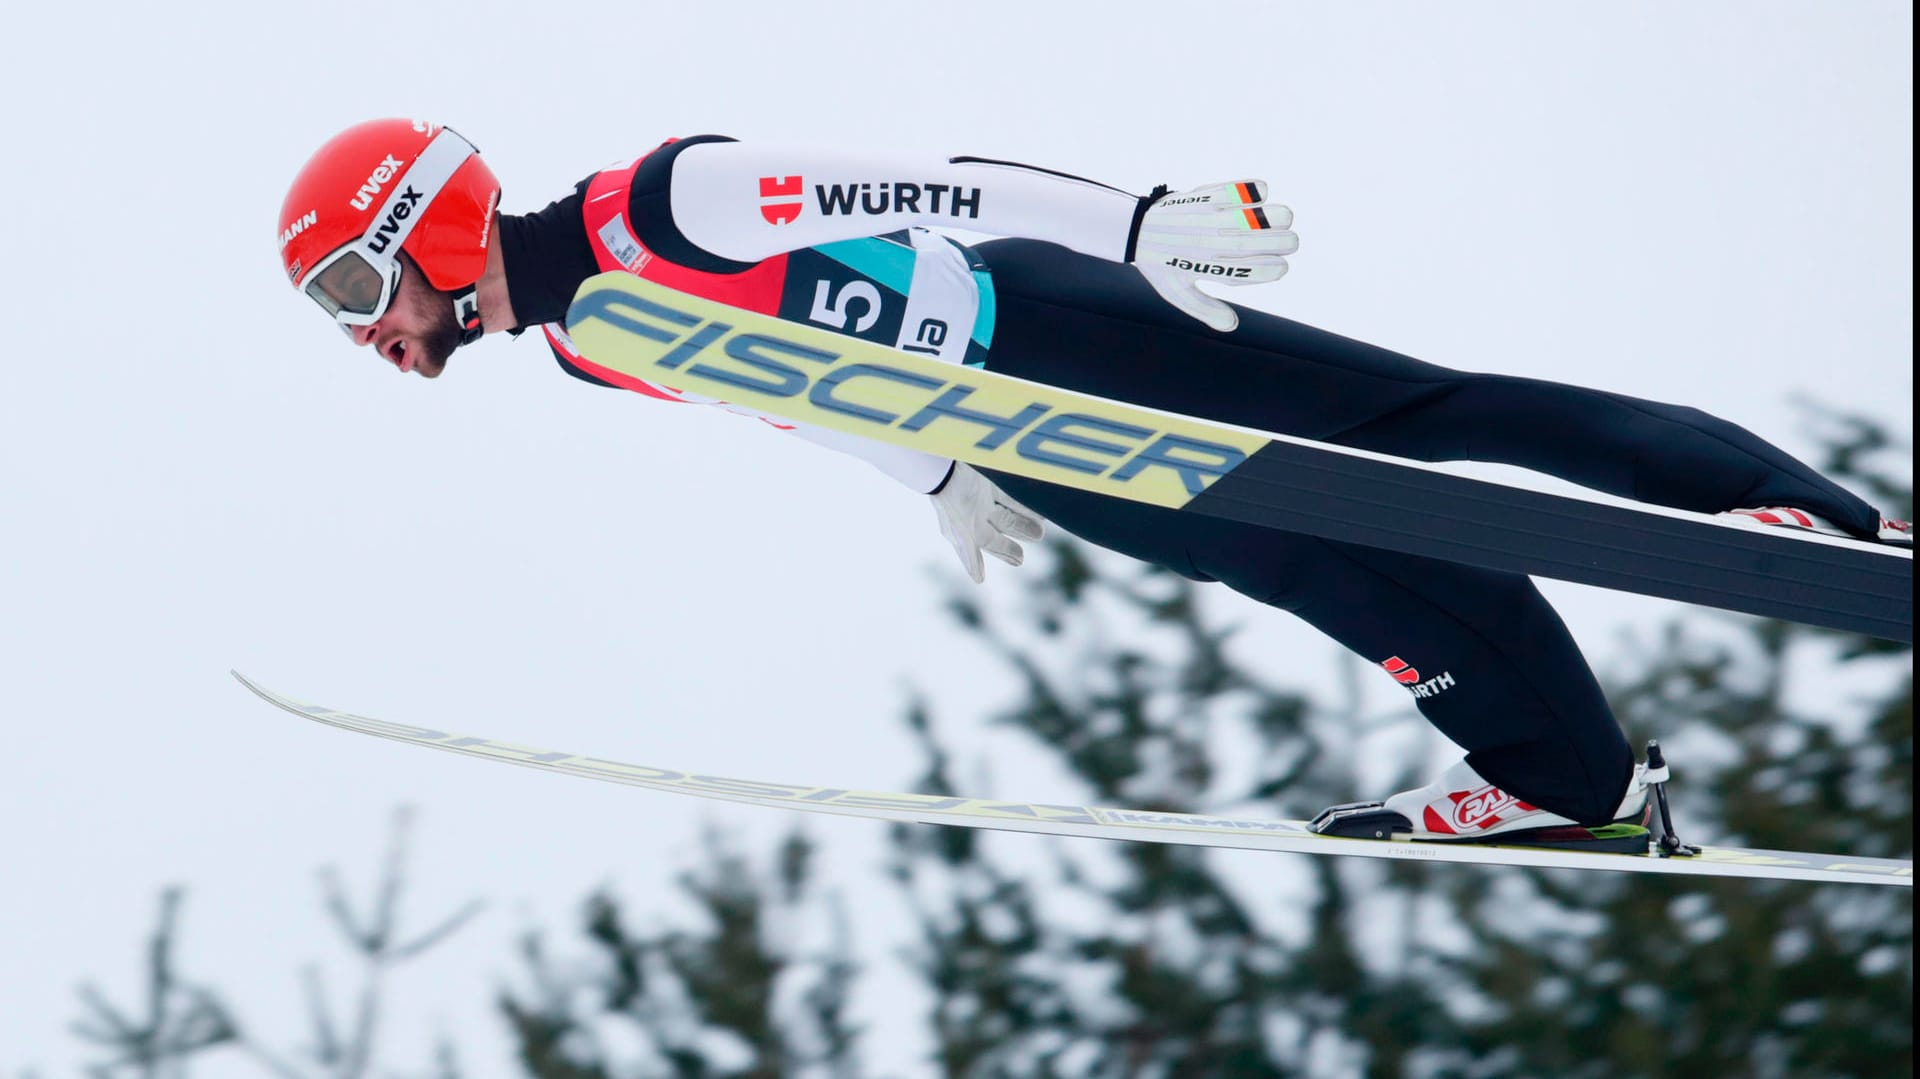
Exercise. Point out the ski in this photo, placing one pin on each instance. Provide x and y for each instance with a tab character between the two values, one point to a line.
1095	822
809	375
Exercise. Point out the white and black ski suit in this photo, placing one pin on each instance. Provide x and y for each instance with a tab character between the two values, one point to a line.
843	242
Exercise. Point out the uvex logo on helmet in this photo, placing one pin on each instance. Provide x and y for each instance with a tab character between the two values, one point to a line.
384	233
388	168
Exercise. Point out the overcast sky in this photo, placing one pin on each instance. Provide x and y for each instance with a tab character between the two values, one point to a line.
1706	203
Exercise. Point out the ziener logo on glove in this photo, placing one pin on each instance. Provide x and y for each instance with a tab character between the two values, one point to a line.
1211	269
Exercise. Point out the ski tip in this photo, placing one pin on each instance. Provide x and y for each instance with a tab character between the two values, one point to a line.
266	694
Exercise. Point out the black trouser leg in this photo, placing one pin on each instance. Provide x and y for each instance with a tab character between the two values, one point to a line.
1522	702
1497	671
1668	455
1092	325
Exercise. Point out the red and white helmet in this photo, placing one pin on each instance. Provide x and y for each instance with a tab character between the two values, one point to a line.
375	190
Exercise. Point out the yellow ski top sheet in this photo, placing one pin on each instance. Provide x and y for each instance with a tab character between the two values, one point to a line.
830	380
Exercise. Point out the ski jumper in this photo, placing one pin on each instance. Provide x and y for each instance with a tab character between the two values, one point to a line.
843	243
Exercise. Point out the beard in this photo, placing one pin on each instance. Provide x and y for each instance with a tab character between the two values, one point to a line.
434	311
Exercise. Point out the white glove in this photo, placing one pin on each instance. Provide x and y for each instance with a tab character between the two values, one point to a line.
1222	232
975	515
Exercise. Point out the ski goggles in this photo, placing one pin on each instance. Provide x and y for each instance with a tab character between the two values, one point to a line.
355	284
354	287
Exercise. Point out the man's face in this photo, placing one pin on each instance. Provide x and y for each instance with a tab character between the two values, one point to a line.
418	331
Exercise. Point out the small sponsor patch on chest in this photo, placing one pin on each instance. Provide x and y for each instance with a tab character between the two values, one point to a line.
622	244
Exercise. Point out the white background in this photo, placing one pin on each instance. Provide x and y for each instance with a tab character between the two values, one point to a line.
1707	203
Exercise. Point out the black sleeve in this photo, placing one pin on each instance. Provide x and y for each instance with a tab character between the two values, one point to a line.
652	212
546	256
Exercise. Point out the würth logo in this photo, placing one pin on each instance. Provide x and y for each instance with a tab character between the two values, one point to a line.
780	198
890	196
1409	676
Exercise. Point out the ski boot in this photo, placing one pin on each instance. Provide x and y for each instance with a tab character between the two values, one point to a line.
1462	807
1897	533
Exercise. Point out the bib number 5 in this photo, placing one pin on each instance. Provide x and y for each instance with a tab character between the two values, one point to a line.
834	308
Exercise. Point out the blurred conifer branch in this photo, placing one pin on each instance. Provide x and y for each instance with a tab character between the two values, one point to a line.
178	1021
